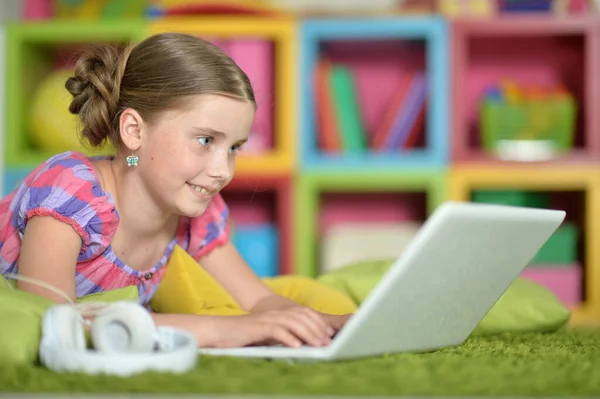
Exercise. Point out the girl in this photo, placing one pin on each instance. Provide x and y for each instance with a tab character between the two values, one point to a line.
177	110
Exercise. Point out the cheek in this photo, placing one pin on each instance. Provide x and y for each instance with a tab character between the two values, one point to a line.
190	161
232	165
166	156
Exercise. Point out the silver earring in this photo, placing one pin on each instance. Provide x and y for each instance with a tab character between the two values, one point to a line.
132	160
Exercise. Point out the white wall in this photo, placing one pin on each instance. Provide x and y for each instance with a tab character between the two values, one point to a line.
10	10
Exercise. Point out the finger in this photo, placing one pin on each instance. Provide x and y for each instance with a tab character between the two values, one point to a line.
300	328
284	336
320	321
337	322
315	325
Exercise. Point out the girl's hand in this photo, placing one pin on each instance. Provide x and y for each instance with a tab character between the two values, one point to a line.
293	326
336	321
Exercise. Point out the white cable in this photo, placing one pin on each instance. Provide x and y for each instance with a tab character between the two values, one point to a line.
40	283
83	309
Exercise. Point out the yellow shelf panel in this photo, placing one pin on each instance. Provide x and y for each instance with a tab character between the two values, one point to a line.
272	164
585	316
464	179
283	32
226	26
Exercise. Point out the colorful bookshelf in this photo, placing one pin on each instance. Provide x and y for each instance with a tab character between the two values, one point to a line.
33	51
276	114
575	190
318	78
513	51
353	73
362	196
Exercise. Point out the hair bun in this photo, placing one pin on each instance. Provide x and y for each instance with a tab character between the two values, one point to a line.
95	89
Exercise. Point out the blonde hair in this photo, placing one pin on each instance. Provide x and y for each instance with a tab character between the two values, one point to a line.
156	75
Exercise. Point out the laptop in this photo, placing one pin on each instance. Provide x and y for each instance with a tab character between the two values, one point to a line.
462	259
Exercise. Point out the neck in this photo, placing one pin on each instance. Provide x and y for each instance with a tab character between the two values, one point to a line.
140	215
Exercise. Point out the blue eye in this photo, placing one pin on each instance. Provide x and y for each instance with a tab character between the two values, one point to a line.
234	149
204	140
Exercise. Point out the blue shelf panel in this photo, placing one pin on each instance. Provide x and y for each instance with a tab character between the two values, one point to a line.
434	31
372	162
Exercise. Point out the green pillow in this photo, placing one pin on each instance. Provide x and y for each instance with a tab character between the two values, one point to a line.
21	316
357	279
525	306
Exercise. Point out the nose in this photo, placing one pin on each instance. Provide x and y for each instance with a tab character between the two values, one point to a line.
219	167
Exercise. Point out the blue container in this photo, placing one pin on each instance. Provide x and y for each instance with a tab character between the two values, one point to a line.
259	246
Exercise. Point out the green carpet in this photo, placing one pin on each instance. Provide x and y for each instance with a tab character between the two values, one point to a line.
558	364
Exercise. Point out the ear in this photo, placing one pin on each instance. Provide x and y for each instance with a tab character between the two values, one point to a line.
131	128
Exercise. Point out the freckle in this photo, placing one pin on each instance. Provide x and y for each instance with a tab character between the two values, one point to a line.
122	253
152	158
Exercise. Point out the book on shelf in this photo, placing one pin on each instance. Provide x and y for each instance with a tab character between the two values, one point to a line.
327	124
339	120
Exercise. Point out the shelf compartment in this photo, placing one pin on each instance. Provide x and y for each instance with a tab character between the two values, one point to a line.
372	57
549	51
562	256
33	52
276	101
574	189
406	196
263	204
356	226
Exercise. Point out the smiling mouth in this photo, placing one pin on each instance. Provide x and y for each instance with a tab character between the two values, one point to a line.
201	190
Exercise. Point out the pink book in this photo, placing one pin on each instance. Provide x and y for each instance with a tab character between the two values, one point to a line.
397	104
255	57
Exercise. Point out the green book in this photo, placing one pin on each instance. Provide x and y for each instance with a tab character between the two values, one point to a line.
347	109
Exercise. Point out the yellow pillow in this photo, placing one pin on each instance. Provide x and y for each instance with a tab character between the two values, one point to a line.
188	288
312	293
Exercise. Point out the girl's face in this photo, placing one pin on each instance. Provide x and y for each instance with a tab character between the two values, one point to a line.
189	155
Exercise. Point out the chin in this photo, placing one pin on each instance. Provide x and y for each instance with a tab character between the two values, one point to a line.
191	210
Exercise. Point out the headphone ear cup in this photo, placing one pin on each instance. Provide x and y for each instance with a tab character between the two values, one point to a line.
62	327
123	327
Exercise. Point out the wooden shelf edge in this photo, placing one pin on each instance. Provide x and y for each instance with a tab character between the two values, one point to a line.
479	158
584	316
525	25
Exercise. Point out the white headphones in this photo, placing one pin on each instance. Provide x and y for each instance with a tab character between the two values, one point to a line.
124	337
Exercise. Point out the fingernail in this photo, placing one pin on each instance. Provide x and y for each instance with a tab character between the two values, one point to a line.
330	331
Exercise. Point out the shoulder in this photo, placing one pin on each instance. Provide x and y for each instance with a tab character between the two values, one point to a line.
67	188
67	181
66	169
209	230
